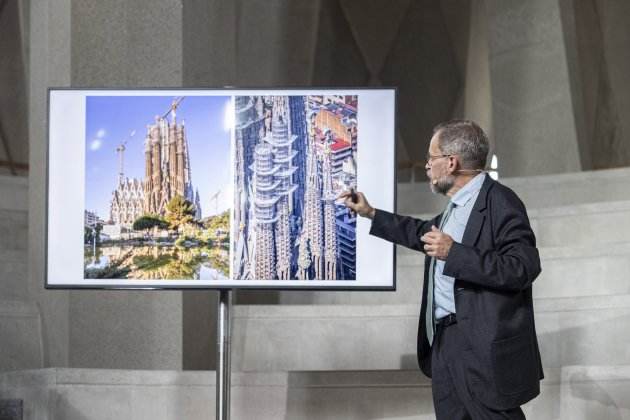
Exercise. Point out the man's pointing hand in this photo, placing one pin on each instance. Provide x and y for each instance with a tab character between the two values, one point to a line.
361	206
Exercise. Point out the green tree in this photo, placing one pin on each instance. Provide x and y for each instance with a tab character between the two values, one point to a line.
179	211
218	228
149	221
220	221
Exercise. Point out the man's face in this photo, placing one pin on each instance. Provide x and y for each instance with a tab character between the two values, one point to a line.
437	166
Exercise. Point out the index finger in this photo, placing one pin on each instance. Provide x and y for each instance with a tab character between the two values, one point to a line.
429	239
434	235
348	203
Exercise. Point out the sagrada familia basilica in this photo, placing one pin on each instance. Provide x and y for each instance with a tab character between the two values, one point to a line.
167	173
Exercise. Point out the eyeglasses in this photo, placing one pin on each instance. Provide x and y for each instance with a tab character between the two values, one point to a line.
429	157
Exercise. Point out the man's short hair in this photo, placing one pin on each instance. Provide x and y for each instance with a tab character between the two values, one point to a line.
465	139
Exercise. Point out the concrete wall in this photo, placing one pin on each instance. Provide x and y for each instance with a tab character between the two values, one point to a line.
13	94
20	321
13	237
101	44
50	47
510	65
477	98
533	119
597	35
126	44
209	43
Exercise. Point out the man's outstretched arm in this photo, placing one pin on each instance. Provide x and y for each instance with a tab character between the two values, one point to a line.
401	230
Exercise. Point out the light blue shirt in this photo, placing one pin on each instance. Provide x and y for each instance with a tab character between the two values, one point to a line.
463	201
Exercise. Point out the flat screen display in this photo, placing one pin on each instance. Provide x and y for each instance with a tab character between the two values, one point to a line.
218	188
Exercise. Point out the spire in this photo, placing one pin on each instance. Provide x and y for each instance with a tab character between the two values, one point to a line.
197	205
121	160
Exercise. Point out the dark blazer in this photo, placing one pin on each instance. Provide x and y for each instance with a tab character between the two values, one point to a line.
494	267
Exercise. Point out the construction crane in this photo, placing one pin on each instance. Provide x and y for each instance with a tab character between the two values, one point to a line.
174	105
215	197
121	156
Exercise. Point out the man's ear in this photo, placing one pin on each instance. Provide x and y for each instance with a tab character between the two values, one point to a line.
453	164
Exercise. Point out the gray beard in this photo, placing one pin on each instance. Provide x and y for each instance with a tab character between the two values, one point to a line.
443	184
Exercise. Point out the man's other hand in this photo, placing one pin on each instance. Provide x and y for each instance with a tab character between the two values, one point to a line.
437	243
361	207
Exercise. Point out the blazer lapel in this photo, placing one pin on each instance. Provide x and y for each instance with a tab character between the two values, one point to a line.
475	221
478	214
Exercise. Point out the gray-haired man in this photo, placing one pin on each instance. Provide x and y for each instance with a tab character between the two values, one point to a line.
476	335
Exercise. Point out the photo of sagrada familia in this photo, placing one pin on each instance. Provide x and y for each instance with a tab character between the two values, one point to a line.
167	173
294	156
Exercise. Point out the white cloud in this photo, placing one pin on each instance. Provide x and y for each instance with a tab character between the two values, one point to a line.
228	116
96	144
101	133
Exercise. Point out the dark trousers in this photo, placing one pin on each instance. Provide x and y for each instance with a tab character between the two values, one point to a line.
451	394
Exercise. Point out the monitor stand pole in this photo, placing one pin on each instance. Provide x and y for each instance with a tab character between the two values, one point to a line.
223	352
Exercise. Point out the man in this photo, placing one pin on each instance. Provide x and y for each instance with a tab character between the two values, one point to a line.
476	336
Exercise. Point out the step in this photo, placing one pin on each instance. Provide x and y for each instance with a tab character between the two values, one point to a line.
21	333
592	225
566	272
535	191
82	394
573	392
570	393
584	330
584	271
579	225
270	338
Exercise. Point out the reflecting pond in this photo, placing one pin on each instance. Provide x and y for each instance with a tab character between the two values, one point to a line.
156	262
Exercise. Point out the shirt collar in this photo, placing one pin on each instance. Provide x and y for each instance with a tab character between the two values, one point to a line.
463	196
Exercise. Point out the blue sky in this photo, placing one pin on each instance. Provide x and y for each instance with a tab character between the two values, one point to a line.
112	119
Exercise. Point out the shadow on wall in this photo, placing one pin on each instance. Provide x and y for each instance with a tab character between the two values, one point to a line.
583	387
592	343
